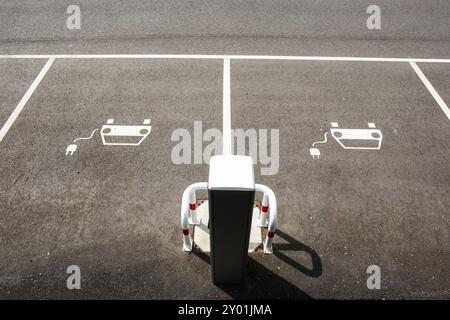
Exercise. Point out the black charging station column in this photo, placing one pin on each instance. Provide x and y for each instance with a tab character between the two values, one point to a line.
231	192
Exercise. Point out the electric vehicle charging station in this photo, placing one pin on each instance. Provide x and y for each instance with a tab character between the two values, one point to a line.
231	199
231	193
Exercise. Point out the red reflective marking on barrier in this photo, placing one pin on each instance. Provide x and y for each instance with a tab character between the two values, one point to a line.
192	206
264	208
185	231
270	234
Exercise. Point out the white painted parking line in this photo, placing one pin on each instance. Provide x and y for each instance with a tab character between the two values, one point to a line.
25	99
221	57
226	108
430	88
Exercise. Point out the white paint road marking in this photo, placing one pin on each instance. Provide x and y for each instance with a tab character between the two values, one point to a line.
25	99
226	108
221	57
430	88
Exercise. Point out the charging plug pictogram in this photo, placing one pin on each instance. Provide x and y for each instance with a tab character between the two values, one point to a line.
71	148
315	153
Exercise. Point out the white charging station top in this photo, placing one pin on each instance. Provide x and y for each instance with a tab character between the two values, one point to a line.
229	172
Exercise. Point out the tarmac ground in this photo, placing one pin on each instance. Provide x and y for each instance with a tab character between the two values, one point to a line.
113	210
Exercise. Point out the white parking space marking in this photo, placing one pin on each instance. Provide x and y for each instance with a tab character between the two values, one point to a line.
226	108
430	88
221	57
226	76
25	99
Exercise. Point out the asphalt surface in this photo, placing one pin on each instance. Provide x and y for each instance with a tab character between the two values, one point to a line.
114	210
408	27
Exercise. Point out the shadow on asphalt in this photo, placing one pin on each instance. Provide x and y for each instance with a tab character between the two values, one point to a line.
295	245
262	283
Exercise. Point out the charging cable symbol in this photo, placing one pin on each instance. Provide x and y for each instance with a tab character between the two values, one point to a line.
316	152
117	135
71	148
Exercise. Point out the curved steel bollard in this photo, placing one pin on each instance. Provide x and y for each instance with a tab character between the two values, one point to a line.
189	205
269	200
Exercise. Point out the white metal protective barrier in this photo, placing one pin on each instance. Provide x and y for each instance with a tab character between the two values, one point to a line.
189	212
266	220
269	202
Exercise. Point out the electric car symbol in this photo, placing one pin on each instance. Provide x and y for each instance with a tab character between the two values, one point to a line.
124	135
360	139
367	139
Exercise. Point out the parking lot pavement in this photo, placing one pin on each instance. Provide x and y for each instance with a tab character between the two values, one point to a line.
355	208
439	76
112	210
17	75
327	27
